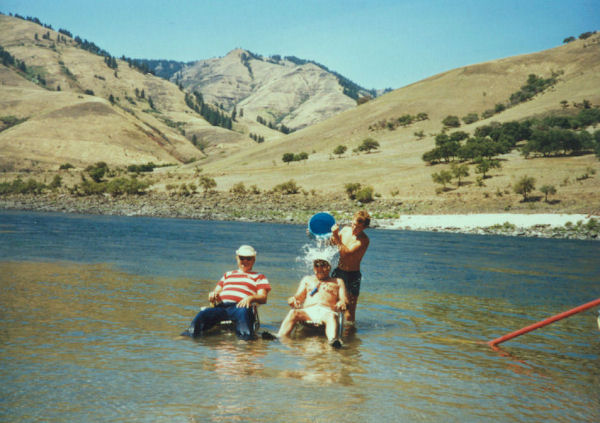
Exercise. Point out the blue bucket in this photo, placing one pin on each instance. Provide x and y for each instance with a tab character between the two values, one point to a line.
320	225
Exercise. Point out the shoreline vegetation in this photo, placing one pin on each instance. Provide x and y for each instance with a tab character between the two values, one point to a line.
386	214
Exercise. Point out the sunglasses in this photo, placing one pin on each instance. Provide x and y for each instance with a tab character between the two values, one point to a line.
321	264
246	258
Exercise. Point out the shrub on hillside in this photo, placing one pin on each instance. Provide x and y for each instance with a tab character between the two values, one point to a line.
148	167
524	186
289	187
18	186
451	121
533	86
365	194
470	118
368	144
351	189
339	150
238	189
442	177
130	186
97	171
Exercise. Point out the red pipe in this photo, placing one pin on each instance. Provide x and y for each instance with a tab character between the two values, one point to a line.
544	322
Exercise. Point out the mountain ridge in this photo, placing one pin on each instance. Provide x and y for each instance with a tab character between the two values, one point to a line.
284	92
122	116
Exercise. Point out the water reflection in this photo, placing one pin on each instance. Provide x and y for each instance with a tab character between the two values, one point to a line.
93	341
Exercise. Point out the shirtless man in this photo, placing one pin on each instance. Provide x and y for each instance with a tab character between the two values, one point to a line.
352	243
317	299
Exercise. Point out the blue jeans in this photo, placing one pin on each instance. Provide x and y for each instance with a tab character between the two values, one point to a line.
242	317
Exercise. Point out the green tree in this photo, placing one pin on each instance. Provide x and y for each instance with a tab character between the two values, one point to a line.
207	183
405	120
339	150
287	157
442	177
368	144
448	147
451	121
460	171
97	171
470	118
485	165
548	190
300	156
524	186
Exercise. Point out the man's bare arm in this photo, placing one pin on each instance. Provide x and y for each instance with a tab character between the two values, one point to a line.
342	296
298	298
213	296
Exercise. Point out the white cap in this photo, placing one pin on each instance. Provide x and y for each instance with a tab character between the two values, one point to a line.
321	256
246	251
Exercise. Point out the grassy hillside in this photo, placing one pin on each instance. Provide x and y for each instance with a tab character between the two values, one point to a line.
121	116
77	108
396	170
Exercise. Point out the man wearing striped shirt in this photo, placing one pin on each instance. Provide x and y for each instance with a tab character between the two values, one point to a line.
233	297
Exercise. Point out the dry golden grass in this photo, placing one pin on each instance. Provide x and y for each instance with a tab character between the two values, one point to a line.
68	126
397	168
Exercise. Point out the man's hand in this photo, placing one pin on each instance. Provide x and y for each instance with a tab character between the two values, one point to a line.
293	302
335	234
214	298
340	305
246	302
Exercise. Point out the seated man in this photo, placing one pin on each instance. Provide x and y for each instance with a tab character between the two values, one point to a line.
318	299
232	298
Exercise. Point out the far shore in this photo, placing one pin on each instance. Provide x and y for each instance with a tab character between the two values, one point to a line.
483	220
545	225
298	211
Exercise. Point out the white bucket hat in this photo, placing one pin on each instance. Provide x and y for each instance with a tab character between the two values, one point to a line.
246	251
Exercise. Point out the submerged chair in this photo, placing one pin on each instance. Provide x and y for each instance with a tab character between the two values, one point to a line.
309	324
230	324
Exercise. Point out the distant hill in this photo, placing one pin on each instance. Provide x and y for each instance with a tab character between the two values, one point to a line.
75	103
397	168
164	68
280	92
63	99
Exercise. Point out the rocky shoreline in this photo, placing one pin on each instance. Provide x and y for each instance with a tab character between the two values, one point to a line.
280	209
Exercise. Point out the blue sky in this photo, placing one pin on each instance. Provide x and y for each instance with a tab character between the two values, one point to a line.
377	44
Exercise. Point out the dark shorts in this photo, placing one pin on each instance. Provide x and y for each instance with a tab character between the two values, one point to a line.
351	280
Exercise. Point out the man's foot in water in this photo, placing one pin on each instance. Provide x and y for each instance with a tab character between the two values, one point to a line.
268	336
336	343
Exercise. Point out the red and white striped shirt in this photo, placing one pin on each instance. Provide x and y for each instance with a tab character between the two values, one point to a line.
238	285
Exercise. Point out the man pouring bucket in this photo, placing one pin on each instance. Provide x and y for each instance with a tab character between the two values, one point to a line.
352	243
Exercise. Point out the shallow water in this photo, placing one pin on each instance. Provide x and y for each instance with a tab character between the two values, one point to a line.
91	307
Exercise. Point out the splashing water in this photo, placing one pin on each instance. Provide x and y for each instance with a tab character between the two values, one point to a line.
319	248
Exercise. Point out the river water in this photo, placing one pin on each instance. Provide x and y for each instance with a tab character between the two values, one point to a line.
91	308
